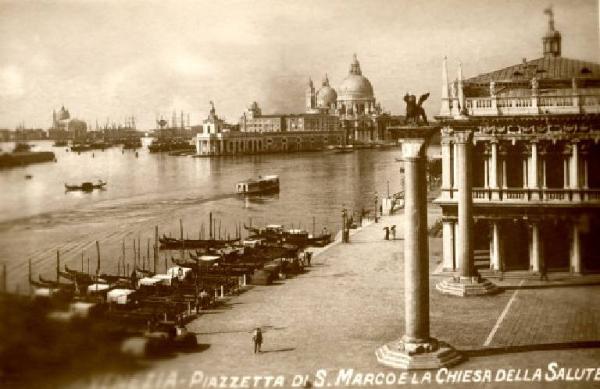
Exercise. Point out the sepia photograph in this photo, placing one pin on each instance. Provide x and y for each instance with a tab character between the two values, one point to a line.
299	194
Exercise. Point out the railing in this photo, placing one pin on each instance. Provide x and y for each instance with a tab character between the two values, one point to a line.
575	103
526	195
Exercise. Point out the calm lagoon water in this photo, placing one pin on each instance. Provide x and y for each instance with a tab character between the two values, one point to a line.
37	216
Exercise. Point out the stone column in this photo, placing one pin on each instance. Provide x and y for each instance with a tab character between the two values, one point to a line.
585	174
533	176
469	283
504	177
534	260
575	249
446	169
495	246
486	169
565	173
525	178
574	171
454	168
464	254
448	246
416	349
416	258
493	176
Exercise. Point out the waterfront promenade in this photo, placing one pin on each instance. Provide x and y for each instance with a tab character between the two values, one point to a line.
350	302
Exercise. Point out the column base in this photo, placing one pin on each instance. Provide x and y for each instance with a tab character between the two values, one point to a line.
418	356
467	286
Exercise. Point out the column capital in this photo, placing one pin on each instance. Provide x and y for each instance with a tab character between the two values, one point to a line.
462	137
412	148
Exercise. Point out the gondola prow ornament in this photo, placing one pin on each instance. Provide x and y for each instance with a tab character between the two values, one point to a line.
414	111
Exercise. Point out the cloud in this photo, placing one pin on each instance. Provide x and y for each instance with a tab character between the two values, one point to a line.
188	64
11	82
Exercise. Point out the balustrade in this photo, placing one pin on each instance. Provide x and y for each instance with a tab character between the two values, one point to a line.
533	104
526	195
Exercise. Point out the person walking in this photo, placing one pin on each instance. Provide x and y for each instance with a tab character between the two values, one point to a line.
393	231
258	339
387	233
543	269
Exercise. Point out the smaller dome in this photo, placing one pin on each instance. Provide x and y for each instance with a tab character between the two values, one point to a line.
326	96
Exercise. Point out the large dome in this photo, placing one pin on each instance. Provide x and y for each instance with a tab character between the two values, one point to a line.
355	86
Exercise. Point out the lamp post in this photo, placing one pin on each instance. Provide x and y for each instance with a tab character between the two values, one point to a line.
375	207
344	218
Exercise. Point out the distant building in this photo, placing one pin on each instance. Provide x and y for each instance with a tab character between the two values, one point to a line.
354	104
257	133
531	133
64	127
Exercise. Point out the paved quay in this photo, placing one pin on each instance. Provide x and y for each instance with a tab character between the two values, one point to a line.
351	301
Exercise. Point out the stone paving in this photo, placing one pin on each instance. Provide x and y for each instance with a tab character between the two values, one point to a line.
351	301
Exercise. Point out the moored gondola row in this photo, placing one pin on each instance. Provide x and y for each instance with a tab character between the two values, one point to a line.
142	310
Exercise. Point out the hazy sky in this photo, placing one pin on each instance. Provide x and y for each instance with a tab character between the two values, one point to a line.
145	58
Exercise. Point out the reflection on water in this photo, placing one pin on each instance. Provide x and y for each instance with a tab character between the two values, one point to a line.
37	216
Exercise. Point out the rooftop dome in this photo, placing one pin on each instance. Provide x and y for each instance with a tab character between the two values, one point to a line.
326	96
355	86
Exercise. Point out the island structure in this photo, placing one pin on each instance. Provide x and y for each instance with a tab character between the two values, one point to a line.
350	117
524	143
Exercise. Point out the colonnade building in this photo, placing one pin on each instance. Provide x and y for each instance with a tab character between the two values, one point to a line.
533	133
259	134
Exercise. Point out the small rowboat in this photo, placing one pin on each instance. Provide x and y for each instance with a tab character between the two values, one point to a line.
86	186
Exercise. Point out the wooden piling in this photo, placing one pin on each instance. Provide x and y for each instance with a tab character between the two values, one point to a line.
57	266
98	254
156	243
134	254
182	254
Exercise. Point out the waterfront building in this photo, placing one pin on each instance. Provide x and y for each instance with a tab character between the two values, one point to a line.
354	104
65	127
258	133
525	142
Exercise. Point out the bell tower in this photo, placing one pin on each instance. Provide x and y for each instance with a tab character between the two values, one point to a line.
551	41
310	96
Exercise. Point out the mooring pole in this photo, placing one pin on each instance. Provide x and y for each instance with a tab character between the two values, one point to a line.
182	241
98	254
57	266
156	248
210	223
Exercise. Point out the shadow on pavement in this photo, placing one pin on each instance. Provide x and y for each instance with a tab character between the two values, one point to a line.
278	350
531	347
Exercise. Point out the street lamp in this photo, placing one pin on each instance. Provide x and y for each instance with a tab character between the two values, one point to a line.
344	218
375	207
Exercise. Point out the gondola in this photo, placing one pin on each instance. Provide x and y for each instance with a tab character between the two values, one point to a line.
86	186
295	237
176	244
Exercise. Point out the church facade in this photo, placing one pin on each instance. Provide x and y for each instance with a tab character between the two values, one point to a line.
360	115
533	134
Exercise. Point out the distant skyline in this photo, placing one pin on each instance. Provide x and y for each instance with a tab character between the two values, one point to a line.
147	58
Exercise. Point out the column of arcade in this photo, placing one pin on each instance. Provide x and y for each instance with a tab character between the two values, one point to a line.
469	283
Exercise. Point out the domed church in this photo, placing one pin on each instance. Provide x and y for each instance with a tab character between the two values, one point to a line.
354	103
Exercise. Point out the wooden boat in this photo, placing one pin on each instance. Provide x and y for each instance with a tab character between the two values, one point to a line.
167	243
266	184
344	149
275	232
81	147
86	186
